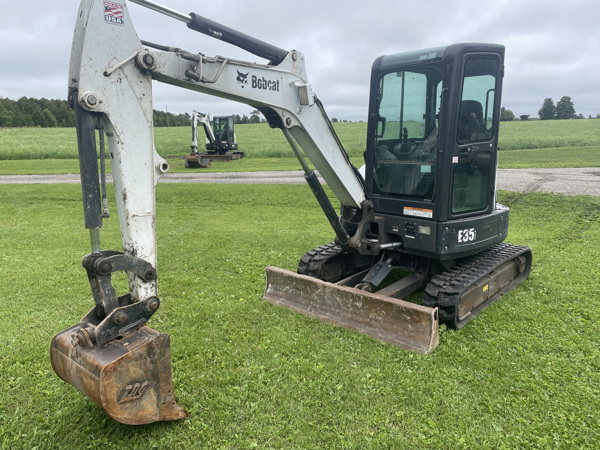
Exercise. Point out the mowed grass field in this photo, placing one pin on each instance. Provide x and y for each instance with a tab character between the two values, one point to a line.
524	374
552	143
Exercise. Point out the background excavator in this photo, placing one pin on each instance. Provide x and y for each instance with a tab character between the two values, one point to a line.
423	205
221	142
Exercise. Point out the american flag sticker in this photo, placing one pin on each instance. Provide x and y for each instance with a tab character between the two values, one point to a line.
113	13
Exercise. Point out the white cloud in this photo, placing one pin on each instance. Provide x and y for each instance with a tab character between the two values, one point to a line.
552	48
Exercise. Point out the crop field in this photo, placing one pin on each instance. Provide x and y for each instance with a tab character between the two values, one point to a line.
260	141
539	144
524	374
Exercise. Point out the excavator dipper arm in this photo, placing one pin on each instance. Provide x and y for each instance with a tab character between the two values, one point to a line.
204	120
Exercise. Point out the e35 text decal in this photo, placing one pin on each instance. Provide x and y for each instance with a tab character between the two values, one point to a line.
467	235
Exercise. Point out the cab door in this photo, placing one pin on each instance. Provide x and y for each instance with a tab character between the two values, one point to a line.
475	146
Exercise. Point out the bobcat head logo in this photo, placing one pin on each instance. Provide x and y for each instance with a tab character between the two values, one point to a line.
242	78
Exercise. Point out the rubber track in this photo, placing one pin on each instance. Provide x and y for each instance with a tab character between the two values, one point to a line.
310	264
444	291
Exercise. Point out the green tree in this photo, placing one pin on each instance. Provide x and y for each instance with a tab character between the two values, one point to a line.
254	116
547	110
565	108
36	117
48	119
27	112
65	116
19	120
506	115
5	116
524	117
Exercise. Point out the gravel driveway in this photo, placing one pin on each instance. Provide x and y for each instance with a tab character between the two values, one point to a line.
575	181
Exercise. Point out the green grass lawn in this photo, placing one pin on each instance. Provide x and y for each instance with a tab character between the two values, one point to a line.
177	165
524	374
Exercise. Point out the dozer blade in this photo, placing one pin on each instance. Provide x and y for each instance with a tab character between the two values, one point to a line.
129	377
407	325
197	162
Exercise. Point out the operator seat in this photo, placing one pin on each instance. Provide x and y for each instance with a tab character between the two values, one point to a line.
470	120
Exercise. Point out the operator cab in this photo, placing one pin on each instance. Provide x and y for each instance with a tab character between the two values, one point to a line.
432	143
223	128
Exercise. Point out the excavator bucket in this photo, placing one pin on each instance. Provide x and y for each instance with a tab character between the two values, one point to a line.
129	377
407	325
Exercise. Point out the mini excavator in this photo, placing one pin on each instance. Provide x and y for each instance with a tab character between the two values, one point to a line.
424	204
221	142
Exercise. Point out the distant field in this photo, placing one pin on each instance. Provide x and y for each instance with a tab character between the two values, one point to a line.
549	134
545	158
256	140
516	159
260	141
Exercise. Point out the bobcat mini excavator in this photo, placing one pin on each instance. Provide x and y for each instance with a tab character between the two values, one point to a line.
424	203
221	143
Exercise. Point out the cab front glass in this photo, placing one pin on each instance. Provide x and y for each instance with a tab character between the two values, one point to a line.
406	140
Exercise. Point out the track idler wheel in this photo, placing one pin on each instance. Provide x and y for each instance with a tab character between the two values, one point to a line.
129	377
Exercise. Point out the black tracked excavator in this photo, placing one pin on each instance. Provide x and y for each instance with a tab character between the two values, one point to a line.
421	212
221	142
430	182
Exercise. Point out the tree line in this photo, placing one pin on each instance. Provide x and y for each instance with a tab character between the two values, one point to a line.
563	110
32	112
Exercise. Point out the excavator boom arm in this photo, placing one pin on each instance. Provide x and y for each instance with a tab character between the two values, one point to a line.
283	92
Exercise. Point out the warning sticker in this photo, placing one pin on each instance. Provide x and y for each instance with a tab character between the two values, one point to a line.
113	13
418	212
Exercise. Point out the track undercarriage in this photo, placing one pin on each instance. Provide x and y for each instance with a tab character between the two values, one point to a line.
460	290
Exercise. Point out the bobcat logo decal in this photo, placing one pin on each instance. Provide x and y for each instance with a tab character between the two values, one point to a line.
242	78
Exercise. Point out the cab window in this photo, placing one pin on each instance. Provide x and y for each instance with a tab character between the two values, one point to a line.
476	113
406	140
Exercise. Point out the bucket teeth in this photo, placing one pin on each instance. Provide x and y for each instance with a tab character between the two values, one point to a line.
129	377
